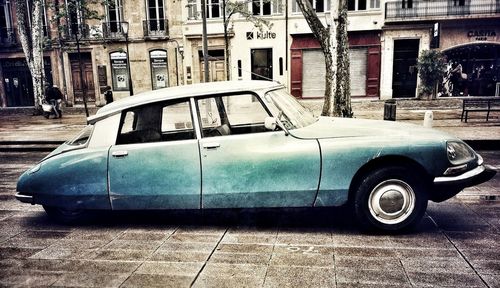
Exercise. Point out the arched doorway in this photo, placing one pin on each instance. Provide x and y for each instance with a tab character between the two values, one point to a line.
473	70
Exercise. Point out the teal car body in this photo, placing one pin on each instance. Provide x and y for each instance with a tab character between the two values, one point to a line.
243	144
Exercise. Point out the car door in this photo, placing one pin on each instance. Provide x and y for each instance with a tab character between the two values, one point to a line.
243	165
156	162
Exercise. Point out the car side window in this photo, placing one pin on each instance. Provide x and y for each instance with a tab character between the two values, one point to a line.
231	115
156	122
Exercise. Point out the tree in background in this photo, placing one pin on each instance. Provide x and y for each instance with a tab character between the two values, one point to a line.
431	65
29	27
337	100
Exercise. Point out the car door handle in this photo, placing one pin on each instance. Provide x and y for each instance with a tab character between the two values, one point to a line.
119	154
211	145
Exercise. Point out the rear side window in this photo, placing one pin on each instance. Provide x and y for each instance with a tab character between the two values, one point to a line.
82	137
156	123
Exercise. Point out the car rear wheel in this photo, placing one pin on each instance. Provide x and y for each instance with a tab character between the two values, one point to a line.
390	199
64	215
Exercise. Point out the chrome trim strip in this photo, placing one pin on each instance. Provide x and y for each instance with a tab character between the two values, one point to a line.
24	198
196	121
469	174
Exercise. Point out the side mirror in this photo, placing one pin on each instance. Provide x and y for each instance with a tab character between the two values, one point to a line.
270	123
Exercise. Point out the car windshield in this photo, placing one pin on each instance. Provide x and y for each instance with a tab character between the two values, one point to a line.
290	112
82	137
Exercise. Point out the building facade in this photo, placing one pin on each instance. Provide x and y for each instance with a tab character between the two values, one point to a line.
162	46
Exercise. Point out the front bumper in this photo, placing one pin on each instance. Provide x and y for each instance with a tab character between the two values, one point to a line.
446	187
24	198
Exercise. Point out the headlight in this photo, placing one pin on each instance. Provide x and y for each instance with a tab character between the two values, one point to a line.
459	153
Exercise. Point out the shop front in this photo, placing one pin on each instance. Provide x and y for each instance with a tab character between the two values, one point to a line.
473	57
308	65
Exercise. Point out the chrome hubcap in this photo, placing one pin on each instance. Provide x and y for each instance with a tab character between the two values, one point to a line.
392	201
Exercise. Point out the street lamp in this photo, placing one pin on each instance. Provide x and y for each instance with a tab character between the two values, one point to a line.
125	32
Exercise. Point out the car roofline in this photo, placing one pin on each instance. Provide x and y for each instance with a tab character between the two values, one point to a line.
172	93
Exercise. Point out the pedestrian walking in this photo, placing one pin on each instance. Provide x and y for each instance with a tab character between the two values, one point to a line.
108	95
54	96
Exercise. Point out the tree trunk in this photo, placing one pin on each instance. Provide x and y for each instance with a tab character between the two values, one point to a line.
30	37
342	98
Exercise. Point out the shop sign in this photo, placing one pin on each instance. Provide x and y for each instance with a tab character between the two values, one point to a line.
481	35
261	35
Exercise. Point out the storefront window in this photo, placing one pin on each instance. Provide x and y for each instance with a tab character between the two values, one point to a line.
473	70
159	69
119	71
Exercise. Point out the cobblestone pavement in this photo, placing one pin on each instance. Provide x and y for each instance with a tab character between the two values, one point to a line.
456	245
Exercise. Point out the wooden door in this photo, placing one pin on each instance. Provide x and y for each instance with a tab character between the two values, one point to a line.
88	77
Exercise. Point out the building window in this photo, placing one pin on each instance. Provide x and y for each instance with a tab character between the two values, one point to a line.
74	17
266	7
192	7
159	69
114	15
407	4
362	5
119	71
6	31
318	5
156	15
213	8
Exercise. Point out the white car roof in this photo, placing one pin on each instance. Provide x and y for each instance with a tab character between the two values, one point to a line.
172	93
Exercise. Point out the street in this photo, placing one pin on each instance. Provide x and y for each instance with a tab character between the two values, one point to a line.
456	245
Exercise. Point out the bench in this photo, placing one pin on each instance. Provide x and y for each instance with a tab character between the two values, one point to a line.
480	105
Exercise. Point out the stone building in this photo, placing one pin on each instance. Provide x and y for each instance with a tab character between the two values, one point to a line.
163	47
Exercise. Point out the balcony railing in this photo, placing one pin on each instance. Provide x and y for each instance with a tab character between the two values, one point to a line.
439	8
113	29
70	32
7	37
155	28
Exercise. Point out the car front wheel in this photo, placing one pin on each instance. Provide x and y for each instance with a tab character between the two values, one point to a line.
63	215
390	199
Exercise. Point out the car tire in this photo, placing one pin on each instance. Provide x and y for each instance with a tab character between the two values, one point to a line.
63	215
390	199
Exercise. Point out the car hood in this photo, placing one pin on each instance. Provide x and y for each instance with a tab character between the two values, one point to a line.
333	127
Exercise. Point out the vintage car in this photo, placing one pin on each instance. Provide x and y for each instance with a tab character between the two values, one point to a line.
248	144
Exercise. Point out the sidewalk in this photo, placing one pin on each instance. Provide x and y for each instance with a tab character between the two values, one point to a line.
19	126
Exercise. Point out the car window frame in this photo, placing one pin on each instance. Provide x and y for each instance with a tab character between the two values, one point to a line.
228	94
163	104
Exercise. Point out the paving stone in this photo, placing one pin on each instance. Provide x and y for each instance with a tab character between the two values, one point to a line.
361	241
487	266
445	279
481	254
471	240
28	279
207	230
191	246
143	236
17	253
304	239
227	282
430	265
307	260
105	266
240	258
360	276
372	285
245	248
91	280
285	276
225	270
179	256
79	244
156	280
196	238
60	253
493	281
93	234
368	263
248	239
366	252
303	249
133	245
122	255
170	268
412	253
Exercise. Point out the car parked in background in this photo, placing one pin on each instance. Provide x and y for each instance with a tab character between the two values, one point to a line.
247	144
